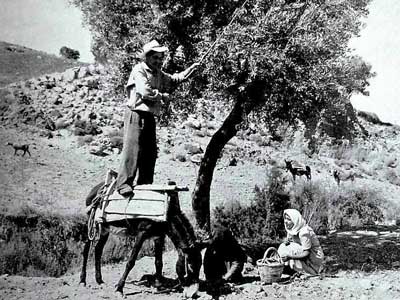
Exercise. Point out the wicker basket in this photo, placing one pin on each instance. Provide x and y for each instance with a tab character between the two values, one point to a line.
270	267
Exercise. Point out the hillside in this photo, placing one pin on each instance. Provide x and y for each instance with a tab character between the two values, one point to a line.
74	133
21	63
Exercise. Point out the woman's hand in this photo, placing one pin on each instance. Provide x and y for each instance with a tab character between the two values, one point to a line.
285	258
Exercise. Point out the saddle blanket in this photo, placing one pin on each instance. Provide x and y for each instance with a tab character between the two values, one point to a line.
150	204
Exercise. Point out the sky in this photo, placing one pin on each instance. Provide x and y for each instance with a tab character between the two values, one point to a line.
45	25
48	25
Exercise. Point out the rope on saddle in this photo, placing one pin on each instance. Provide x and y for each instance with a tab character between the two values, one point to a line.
93	230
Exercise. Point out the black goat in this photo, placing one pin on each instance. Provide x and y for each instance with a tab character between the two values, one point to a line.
343	175
24	148
298	170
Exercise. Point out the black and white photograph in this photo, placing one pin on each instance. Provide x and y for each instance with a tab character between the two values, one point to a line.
199	149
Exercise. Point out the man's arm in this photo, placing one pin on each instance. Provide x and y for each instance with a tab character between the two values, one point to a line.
179	77
143	87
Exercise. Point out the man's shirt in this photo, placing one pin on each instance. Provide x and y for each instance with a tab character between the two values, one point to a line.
145	86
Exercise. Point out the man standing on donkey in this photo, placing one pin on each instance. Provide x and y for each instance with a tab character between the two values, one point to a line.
147	90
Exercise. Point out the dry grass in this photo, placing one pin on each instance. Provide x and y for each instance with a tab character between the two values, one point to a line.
21	63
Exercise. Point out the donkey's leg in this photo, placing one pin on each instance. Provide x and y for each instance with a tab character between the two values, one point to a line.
85	254
180	267
158	252
140	238
98	251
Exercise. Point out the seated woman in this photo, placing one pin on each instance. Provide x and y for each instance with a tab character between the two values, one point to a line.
302	251
224	258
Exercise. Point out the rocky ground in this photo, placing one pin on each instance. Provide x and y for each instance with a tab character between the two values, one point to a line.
343	285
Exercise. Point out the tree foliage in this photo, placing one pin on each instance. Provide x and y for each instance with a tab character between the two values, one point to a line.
283	60
69	53
294	53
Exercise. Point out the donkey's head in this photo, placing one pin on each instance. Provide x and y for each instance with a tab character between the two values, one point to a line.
188	265
288	164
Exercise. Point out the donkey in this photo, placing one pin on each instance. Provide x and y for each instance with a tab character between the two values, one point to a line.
177	228
298	170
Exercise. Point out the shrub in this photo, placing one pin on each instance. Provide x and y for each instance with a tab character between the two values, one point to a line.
260	224
356	207
312	200
69	53
326	208
44	243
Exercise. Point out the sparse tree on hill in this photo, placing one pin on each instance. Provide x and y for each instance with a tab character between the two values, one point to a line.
280	60
69	53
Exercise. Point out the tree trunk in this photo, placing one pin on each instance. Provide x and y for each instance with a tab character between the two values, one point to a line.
201	193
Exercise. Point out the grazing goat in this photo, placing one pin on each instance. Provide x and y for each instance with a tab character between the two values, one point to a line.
24	148
298	170
340	175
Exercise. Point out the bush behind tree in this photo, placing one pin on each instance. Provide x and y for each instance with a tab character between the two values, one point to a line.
260	225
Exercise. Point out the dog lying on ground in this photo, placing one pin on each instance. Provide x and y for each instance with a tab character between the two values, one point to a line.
24	148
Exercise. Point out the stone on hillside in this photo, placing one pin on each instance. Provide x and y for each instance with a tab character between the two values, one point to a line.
180	157
116	123
92	83
111	131
92	129
98	150
117	142
62	123
79	131
88	100
57	77
92	69
100	69
193	148
83	72
58	89
55	114
70	74
69	88
196	159
49	84
82	93
391	162
200	133
57	100
192	123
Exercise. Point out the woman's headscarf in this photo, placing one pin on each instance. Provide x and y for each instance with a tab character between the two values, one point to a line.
297	219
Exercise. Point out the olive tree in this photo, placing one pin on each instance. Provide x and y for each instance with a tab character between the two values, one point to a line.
281	60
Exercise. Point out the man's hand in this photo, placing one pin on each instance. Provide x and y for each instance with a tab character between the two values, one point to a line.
194	66
191	69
